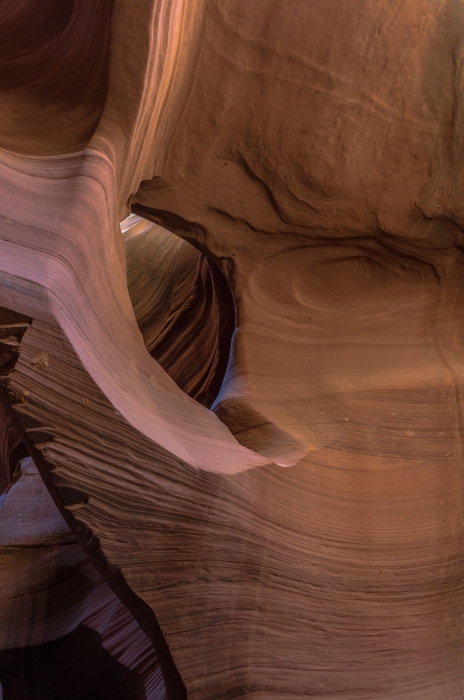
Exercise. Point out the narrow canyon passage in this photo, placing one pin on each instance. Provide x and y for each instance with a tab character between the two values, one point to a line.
231	349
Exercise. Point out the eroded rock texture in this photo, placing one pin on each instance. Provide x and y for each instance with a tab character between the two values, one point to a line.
63	632
294	530
186	324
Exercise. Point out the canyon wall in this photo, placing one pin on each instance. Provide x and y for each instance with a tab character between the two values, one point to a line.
245	399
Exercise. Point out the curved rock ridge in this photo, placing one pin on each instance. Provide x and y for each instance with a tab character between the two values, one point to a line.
351	559
274	184
128	638
83	285
250	195
312	152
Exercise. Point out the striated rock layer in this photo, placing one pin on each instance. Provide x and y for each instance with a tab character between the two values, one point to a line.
182	305
50	598
304	536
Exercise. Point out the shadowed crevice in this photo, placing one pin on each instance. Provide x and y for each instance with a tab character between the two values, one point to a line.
112	576
74	667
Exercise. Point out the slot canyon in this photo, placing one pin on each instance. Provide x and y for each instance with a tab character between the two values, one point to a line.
231	349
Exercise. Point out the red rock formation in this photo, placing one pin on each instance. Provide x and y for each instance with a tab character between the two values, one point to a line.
184	325
53	73
312	152
12	327
49	589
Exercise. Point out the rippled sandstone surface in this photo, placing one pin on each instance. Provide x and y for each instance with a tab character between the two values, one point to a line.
295	531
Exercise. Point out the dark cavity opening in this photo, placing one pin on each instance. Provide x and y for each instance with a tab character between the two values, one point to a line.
183	306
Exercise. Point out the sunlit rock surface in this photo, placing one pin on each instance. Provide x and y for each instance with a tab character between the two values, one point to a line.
272	487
